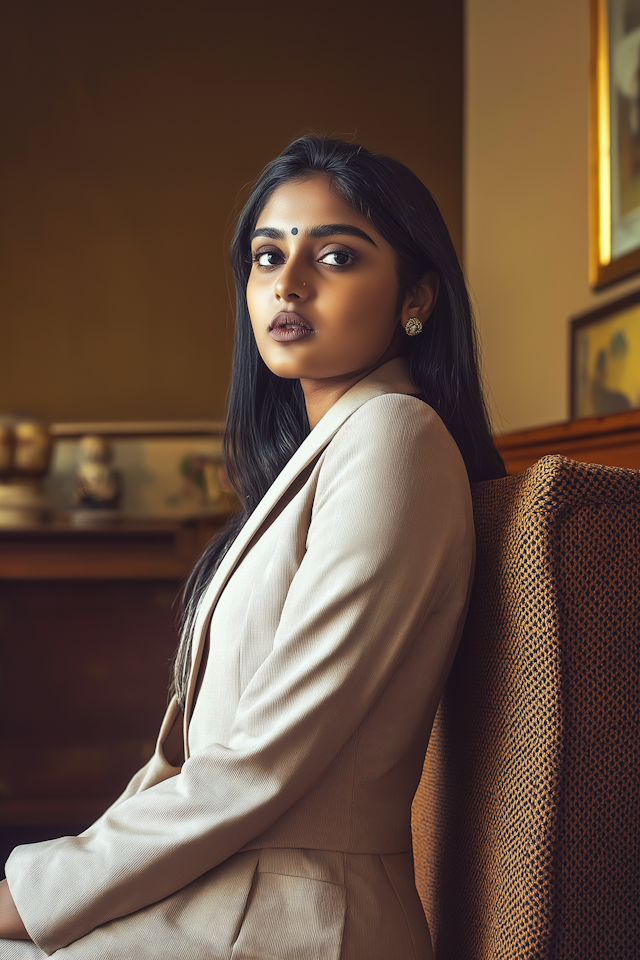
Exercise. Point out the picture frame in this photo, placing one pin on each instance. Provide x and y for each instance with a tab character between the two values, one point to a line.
614	141
605	359
169	470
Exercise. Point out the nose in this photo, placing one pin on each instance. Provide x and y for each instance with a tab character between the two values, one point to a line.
290	283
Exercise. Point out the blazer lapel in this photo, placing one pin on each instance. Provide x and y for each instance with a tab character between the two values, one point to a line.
391	377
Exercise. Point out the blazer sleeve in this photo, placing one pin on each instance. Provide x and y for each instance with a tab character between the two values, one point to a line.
391	530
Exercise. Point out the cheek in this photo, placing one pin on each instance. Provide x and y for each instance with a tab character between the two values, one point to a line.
370	304
251	296
255	304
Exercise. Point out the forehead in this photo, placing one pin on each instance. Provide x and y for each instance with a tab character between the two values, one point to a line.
307	203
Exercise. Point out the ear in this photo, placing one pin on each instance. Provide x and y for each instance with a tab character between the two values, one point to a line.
421	298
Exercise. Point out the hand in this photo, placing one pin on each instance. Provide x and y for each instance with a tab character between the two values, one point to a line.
11	925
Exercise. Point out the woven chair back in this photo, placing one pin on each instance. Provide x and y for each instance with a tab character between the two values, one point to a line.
527	819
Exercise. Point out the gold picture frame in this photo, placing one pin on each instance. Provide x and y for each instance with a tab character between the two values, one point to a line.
605	359
614	141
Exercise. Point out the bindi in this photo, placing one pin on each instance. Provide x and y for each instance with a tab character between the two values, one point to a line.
294	230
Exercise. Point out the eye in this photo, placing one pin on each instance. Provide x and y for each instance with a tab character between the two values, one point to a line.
267	258
338	258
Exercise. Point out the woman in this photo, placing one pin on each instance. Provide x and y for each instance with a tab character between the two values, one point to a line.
273	820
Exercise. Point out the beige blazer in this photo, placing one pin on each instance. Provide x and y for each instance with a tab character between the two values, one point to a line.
282	827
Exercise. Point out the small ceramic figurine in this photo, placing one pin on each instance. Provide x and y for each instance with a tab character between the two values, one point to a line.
25	451
98	484
32	450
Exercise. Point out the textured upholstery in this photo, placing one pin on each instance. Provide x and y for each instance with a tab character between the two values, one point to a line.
527	819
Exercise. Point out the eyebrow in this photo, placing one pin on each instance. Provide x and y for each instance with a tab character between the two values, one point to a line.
324	230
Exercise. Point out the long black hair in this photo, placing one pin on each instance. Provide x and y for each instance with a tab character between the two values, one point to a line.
266	419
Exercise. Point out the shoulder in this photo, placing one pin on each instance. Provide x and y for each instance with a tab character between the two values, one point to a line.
399	428
393	411
396	447
393	479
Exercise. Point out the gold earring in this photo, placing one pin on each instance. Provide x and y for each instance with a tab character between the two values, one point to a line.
413	327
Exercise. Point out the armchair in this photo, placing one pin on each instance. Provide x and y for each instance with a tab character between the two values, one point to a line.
527	819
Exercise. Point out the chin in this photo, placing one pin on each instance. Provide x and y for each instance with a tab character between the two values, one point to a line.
287	368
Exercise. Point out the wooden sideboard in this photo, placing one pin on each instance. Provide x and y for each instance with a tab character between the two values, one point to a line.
87	633
613	440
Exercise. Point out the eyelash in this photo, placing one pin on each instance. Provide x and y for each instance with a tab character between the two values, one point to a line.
332	266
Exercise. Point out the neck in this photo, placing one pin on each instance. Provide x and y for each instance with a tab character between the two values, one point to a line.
320	395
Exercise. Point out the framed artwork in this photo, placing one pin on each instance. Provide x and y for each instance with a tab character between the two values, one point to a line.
605	359
614	133
168	471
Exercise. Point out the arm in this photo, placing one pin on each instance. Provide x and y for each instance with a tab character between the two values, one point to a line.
390	530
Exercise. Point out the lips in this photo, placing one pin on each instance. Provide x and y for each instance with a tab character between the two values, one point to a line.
287	326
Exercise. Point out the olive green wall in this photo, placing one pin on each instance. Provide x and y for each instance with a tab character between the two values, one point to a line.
127	133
